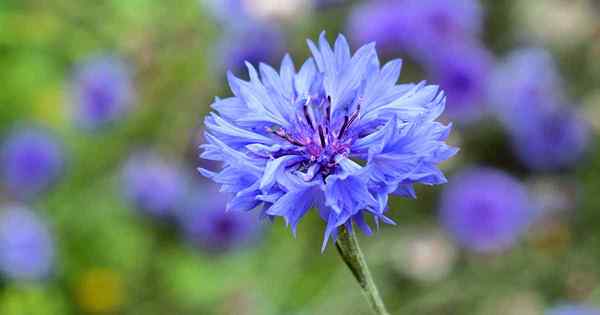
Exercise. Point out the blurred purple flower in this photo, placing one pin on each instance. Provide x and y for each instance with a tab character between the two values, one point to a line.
552	139
26	246
573	309
523	84
338	136
207	224
441	22
485	210
527	95
102	91
462	70
254	43
31	160
415	25
152	185
389	30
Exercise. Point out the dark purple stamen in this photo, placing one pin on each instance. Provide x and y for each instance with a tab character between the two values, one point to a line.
344	126
349	121
282	134
322	136
307	116
328	110
322	152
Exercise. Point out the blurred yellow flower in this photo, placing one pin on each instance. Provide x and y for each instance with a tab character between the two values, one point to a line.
100	291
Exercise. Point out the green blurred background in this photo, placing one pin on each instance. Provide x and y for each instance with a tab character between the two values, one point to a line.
111	260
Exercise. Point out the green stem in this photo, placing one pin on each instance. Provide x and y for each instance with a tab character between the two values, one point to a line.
349	250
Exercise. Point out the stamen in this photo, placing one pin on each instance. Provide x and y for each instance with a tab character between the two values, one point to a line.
282	134
344	126
307	116
328	110
348	122
322	136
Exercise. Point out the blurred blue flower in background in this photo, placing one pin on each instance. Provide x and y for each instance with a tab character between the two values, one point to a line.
390	32
524	83
462	70
416	26
102	91
432	23
553	139
206	223
573	309
31	160
291	140
528	97
245	36
485	210
255	43
153	185
26	245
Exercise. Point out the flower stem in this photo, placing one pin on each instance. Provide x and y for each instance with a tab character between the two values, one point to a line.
349	250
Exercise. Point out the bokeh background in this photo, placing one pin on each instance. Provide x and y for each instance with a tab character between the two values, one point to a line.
102	210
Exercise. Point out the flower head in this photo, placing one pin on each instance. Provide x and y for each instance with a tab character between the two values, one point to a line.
26	246
153	185
339	135
102	91
485	210
31	160
573	309
207	225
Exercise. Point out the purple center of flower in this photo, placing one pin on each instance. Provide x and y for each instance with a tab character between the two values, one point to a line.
440	22
318	137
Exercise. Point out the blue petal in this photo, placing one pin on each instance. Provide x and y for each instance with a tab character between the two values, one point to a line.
348	194
303	80
294	204
232	134
342	51
275	169
287	73
230	108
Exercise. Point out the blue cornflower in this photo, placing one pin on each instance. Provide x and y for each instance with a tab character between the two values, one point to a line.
339	135
102	91
206	224
485	210
573	309
31	159
26	245
152	185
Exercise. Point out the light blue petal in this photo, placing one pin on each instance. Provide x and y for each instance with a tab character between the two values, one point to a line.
275	169
287	73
